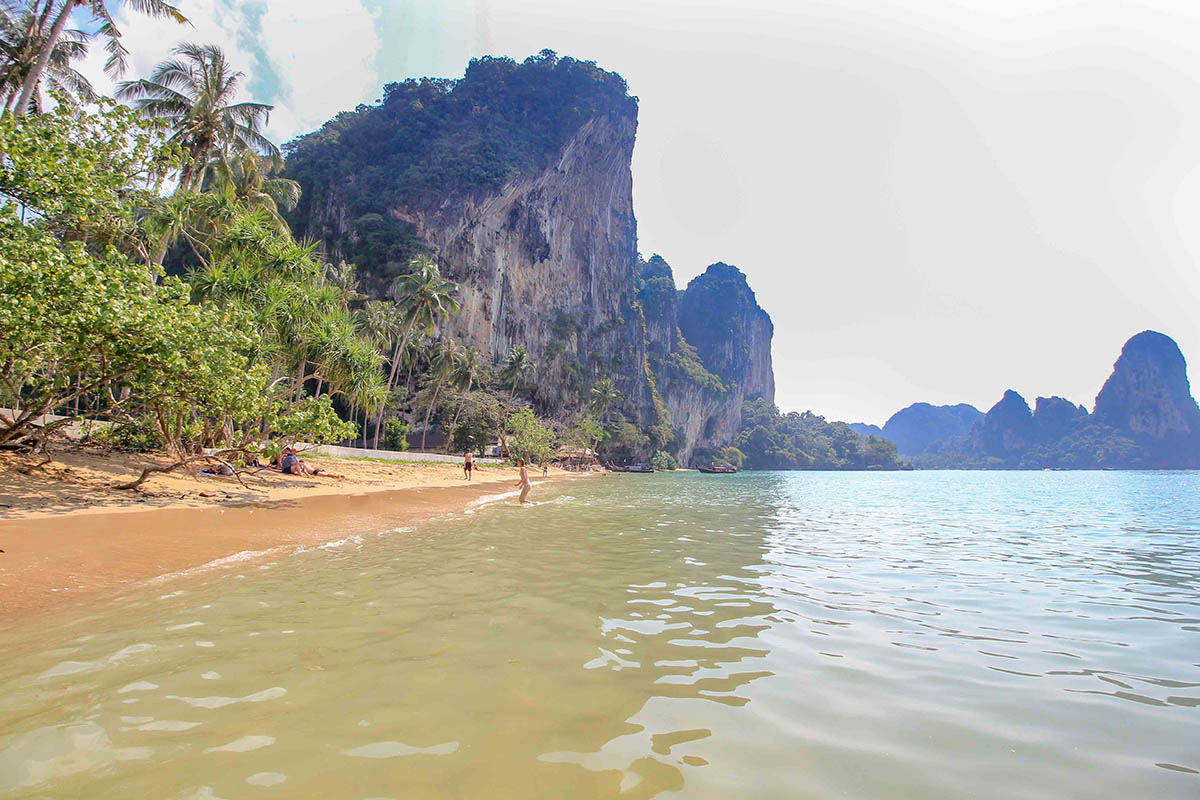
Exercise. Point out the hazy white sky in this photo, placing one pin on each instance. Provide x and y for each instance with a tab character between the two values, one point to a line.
935	199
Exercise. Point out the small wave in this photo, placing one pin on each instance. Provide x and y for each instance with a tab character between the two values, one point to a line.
475	505
217	563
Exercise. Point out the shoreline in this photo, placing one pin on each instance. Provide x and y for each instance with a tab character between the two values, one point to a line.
54	561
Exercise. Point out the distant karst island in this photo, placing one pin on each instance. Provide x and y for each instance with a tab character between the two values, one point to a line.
1143	418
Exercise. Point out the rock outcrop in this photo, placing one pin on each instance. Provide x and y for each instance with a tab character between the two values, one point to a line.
710	350
1144	418
1148	393
1006	431
517	180
1055	417
720	316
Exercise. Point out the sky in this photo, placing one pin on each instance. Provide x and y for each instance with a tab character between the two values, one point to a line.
935	200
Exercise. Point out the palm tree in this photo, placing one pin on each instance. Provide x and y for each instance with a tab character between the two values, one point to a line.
246	178
442	367
516	364
51	18
195	93
422	297
470	367
21	42
604	397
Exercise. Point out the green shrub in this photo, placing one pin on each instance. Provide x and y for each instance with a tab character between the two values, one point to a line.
142	437
664	461
395	435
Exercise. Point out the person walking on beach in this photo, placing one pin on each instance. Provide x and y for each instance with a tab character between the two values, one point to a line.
545	467
468	465
524	484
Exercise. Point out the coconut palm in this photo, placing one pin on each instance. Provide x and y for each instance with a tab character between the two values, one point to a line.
442	367
422	297
50	21
21	42
604	397
195	94
516	364
467	372
246	178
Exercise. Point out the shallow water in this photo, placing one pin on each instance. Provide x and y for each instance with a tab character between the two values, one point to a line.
802	635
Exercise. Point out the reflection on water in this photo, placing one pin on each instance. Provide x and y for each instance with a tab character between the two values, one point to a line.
776	635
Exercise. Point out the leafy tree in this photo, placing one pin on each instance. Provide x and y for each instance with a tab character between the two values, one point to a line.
771	440
478	424
664	461
528	438
587	432
195	93
395	435
628	440
51	18
732	456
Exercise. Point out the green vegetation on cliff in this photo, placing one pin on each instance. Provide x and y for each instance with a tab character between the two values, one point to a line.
771	440
435	138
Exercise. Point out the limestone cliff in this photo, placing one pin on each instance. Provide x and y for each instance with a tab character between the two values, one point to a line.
1145	418
1007	429
710	348
517	179
1148	392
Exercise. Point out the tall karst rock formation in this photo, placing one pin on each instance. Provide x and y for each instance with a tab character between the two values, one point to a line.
517	179
1144	418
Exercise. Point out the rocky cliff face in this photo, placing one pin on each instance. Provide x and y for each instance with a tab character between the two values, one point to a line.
1145	418
1006	431
710	349
1148	392
720	316
517	180
548	262
1055	417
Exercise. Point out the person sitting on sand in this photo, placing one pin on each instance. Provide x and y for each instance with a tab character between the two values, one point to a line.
468	465
524	484
291	464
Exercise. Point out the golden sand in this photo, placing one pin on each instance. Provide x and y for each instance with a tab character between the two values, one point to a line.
68	536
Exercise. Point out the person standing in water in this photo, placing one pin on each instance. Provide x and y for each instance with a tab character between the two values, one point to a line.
545	467
468	465
524	484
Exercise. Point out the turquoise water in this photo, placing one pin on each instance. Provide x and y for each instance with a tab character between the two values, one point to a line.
774	635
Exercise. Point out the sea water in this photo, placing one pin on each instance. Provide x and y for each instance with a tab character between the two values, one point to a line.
764	635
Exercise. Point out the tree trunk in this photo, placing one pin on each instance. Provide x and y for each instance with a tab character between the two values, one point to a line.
383	406
428	412
35	75
454	424
391	382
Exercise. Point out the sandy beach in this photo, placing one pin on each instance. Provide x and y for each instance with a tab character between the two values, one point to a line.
67	536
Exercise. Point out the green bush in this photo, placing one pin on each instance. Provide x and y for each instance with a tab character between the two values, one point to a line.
664	461
395	435
142	437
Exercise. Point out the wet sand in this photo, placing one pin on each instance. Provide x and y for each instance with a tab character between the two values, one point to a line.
55	561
